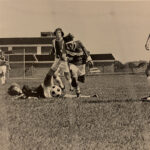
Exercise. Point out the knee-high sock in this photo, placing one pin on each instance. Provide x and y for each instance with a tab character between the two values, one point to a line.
75	84
48	81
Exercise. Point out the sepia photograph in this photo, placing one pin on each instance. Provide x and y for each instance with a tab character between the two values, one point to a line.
74	75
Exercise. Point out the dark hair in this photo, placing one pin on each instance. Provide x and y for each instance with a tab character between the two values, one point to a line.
59	29
68	38
12	91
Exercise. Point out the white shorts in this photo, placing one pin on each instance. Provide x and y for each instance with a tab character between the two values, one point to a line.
60	65
3	70
77	70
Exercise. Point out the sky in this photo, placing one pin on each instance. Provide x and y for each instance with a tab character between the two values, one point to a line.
117	27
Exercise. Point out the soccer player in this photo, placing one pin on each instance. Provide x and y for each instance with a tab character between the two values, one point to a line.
147	71
37	92
78	56
30	92
60	64
3	67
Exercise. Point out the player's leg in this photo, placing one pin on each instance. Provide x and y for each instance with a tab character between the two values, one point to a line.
48	79
81	73
74	75
3	74
68	78
65	68
3	79
58	79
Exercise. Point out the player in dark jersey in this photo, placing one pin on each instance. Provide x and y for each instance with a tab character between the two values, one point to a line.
59	48
26	92
78	56
60	64
36	92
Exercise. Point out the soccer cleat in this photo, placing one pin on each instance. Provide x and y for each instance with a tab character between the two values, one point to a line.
78	92
145	98
95	95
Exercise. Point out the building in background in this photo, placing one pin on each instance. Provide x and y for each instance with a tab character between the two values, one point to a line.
105	62
36	45
41	48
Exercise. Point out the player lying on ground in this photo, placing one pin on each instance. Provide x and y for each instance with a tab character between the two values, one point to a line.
39	92
77	56
60	64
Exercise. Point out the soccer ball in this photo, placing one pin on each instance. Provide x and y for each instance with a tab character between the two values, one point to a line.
56	91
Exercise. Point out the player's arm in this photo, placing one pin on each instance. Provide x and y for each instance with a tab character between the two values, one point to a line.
87	54
54	49
85	51
147	43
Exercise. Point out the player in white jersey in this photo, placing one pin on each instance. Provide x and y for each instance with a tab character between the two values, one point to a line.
78	56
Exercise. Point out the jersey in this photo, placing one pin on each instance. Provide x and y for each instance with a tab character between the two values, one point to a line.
59	48
33	92
76	53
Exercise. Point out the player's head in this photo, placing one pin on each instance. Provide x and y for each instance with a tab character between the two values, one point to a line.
69	42
14	89
59	33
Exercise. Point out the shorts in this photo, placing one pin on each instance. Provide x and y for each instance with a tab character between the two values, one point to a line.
60	66
3	70
77	70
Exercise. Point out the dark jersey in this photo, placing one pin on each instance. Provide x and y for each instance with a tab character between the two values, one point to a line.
33	92
59	48
77	53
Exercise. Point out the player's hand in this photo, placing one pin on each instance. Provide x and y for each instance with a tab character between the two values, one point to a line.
90	63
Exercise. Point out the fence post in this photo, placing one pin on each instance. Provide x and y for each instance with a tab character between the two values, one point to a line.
8	66
24	67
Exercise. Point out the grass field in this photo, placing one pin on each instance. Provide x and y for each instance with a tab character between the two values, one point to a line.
117	120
